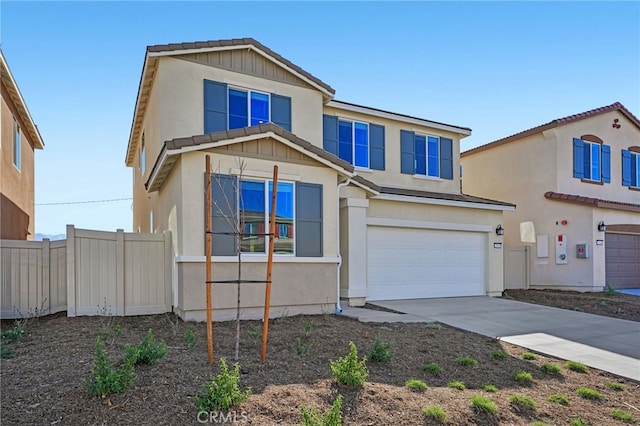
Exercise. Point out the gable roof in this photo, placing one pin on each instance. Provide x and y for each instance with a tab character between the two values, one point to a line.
556	123
16	98
594	202
443	196
154	52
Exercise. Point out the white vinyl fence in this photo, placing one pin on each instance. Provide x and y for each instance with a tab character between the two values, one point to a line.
89	273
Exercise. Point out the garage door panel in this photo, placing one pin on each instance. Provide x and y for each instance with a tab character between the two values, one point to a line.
622	260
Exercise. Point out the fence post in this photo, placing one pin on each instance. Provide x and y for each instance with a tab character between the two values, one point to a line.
168	272
71	271
46	276
120	272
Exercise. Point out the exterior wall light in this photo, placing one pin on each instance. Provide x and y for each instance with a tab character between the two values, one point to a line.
499	230
602	227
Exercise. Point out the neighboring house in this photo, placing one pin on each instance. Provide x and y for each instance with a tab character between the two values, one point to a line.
369	201
19	139
573	178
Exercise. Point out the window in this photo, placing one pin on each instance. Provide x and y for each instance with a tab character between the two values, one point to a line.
358	143
631	168
426	155
228	108
151	221
143	157
591	161
17	144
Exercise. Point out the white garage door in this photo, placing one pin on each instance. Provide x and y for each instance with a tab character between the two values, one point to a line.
408	263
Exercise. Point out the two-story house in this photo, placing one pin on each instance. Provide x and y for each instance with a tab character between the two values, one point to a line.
577	180
18	141
369	202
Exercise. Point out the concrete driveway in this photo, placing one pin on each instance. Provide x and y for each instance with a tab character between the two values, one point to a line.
605	343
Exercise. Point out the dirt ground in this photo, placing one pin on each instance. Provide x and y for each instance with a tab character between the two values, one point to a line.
42	384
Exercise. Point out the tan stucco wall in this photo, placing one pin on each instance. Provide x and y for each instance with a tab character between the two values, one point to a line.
17	185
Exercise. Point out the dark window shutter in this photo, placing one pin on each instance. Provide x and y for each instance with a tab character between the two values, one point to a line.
376	146
330	134
215	106
627	165
223	214
281	111
308	220
407	160
578	158
606	163
446	158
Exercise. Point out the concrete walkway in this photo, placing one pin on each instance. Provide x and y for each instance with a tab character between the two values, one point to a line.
604	343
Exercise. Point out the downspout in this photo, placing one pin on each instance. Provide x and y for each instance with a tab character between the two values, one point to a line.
340	186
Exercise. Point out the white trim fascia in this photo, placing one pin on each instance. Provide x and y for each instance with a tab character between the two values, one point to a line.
398	117
154	172
263	175
256	259
438	202
354	202
423	224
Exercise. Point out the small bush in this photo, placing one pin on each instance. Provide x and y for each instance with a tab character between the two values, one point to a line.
432	368
522	402
416	385
435	413
623	415
333	417
222	392
148	351
456	384
380	351
6	351
529	356
588	393
466	361
13	334
307	325
610	291
348	370
481	404
551	368
614	386
500	354
105	380
490	388
256	333
522	377
540	423
303	348
579	422
190	339
578	367
558	398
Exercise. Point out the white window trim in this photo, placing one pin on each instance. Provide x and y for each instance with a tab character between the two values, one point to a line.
17	145
426	157
636	156
248	92
353	142
591	144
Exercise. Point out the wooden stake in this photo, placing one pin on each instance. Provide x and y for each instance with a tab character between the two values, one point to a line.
272	237
207	251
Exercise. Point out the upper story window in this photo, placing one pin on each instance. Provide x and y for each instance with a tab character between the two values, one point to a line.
591	161
358	143
143	157
228	108
426	155
17	144
631	167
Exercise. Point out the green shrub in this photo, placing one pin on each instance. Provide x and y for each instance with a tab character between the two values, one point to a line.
456	384
579	422
380	351
558	398
435	413
623	415
307	325
222	392
148	351
500	354
540	423
466	361
105	379
416	385
333	417
522	377
529	356
522	402
190	339
6	351
303	348
610	291
256	333
614	386
481	404
432	368
578	367
13	334
348	370
588	393
551	368
490	388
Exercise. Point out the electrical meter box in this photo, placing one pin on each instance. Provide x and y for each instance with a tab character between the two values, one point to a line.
561	250
582	251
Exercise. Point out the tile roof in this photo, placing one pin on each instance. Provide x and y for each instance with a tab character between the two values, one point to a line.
589	201
442	196
558	122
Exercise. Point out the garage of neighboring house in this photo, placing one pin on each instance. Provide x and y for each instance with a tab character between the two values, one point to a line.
409	263
622	257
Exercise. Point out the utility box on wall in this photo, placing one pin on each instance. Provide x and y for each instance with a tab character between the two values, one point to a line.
582	251
561	250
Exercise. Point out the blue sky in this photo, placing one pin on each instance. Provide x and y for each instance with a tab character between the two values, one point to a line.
497	68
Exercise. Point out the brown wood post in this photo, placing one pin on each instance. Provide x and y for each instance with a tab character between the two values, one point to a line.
272	237
207	251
